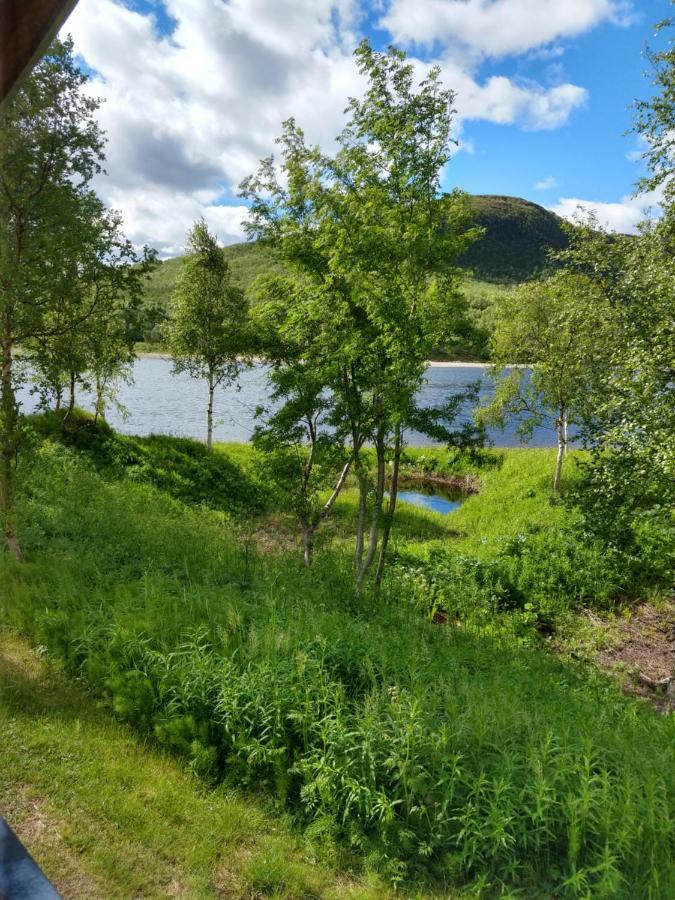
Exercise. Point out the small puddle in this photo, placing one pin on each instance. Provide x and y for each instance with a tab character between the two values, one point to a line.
436	502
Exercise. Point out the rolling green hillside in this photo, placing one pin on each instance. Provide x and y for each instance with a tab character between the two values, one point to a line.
247	261
518	235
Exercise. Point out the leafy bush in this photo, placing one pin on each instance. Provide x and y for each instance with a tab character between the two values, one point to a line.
539	574
559	566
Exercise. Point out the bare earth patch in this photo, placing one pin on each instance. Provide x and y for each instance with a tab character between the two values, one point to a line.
273	534
642	651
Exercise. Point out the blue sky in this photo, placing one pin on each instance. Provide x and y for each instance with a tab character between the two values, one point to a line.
588	156
195	91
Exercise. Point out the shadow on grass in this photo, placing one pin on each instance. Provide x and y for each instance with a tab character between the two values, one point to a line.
181	467
29	688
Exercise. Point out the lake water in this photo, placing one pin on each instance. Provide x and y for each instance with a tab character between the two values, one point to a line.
159	402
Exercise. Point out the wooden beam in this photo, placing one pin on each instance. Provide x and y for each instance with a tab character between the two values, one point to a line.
26	29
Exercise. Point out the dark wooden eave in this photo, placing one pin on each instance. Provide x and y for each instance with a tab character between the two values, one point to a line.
26	29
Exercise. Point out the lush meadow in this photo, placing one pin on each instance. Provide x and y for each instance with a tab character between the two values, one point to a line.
427	735
402	698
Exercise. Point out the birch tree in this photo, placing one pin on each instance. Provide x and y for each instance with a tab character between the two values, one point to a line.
53	231
371	229
208	318
555	332
84	339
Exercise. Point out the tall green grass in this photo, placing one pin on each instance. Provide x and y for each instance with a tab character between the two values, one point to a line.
448	753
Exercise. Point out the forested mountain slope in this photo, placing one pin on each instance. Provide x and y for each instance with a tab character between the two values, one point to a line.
518	236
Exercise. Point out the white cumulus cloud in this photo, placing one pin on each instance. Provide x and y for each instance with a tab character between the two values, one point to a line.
497	27
189	114
622	216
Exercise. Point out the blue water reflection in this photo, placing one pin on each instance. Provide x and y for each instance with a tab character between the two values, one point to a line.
435	502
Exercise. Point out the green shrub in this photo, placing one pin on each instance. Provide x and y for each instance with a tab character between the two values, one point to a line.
540	575
559	568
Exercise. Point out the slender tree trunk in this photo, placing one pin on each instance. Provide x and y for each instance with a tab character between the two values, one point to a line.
59	398
71	399
311	529
361	522
308	542
9	413
565	438
376	515
99	407
391	509
310	524
209	415
562	443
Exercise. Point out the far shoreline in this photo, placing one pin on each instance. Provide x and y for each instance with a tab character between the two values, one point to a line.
432	364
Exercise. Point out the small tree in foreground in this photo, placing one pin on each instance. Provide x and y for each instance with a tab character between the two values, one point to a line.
208	318
370	230
554	328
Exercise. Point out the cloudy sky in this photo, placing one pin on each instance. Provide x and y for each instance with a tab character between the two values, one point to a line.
195	91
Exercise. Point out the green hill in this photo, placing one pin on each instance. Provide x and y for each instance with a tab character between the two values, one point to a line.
247	261
518	236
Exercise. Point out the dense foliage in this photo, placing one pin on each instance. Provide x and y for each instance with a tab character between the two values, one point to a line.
372	241
66	270
517	237
628	494
628	409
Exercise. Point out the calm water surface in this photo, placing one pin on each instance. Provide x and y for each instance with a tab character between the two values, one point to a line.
436	502
159	402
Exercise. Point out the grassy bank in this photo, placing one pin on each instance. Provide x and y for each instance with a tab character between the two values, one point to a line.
427	735
107	816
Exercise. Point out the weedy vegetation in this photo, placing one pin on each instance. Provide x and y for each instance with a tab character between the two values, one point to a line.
408	689
442	755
